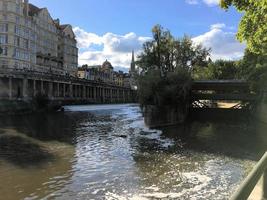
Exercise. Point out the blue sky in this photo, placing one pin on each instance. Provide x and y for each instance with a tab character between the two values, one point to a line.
111	28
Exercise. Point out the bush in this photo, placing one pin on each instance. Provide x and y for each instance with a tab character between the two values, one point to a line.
172	89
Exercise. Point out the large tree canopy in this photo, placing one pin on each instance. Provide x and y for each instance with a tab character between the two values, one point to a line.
166	53
253	26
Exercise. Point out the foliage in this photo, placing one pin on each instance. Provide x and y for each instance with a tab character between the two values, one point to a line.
220	70
173	89
253	26
253	67
166	53
166	65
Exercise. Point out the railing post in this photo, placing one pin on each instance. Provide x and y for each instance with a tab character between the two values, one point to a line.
264	185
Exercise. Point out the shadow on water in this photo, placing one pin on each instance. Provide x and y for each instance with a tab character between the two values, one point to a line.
233	133
22	151
46	126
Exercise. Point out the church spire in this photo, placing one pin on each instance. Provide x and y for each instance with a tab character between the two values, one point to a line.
133	63
132	56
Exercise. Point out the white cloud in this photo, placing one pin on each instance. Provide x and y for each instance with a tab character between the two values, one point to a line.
95	49
85	39
193	2
223	44
211	2
217	26
207	2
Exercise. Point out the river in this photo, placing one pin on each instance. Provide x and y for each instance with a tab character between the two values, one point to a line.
107	152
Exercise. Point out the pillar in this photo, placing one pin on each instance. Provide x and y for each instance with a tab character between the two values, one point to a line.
103	94
58	90
84	92
71	91
42	87
64	90
10	89
94	89
123	96
34	88
25	88
50	89
111	96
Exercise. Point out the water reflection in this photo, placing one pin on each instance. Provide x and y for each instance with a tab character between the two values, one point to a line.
106	152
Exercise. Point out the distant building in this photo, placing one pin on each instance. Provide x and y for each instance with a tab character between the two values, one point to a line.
102	72
119	78
32	40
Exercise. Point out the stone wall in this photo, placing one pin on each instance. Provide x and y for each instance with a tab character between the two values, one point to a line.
165	115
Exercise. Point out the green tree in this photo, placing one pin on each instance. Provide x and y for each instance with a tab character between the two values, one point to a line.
253	67
168	54
166	65
253	25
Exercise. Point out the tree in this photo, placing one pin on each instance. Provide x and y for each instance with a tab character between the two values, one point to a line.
253	67
166	65
168	54
253	25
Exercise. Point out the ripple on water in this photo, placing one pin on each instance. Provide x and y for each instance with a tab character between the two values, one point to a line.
115	156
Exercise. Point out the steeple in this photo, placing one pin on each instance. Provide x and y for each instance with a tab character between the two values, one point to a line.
132	71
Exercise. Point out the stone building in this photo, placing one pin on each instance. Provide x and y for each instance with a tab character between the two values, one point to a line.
103	73
119	78
31	39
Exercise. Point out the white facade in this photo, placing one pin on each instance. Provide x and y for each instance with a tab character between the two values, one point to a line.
32	40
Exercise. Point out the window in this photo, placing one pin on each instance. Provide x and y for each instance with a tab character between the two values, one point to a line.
5	6
17	41
3	27
3	39
5	51
17	19
17	8
25	43
17	30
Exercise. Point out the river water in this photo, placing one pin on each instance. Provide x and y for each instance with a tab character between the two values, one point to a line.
107	152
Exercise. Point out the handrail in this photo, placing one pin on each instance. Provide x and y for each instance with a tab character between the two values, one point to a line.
246	188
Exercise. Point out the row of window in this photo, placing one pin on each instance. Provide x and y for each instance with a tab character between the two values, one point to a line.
4	51
4	28
20	54
24	32
10	6
3	39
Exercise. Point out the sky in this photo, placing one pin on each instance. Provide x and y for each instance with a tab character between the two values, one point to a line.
111	29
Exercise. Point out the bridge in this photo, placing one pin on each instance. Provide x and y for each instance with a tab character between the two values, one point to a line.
207	91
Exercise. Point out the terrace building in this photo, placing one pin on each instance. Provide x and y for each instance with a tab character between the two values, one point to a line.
30	39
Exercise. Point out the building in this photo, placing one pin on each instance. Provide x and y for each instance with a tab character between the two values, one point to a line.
119	78
31	39
103	73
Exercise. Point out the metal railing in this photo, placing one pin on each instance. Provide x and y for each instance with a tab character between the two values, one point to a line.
248	185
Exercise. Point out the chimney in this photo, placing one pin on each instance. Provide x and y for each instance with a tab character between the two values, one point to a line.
26	7
57	21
